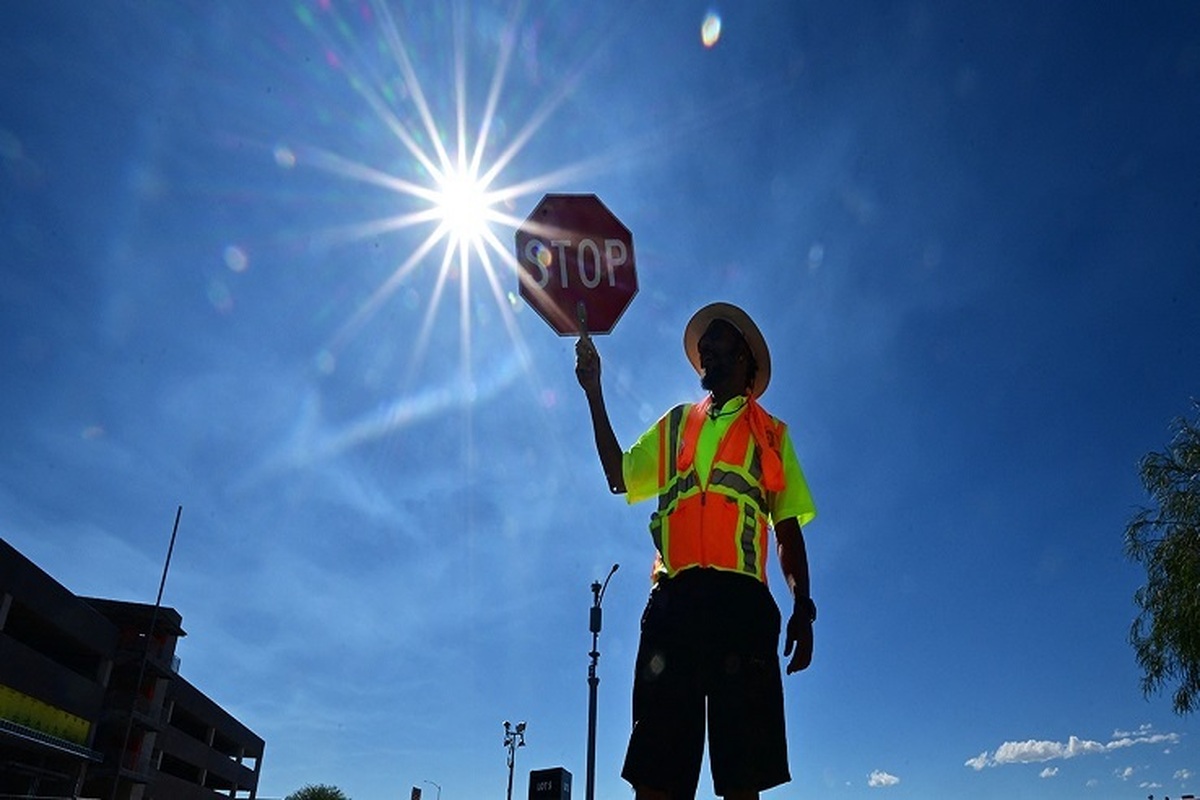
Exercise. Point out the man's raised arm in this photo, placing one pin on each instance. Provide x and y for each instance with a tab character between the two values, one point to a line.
587	371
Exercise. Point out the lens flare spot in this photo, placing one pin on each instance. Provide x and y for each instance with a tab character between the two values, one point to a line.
284	156
325	362
710	30
236	258
542	254
220	297
816	256
656	665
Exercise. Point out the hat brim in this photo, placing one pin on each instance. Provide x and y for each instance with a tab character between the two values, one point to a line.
739	319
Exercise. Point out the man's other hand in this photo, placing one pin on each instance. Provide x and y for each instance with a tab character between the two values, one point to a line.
799	642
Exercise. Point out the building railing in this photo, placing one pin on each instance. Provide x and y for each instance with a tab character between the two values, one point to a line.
18	731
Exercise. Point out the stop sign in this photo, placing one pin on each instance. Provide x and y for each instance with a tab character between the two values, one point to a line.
571	250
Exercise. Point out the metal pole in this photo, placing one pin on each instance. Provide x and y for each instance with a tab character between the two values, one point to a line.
137	687
595	622
513	738
439	788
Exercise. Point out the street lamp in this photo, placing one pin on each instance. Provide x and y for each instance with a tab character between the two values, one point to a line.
593	680
513	738
439	788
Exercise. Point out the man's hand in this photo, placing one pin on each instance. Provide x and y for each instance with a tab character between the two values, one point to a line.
793	560
587	370
587	364
800	640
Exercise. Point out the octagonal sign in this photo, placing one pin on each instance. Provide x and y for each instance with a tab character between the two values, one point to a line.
575	264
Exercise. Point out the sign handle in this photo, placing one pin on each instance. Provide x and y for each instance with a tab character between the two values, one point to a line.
581	317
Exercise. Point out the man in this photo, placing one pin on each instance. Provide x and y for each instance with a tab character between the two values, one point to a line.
723	470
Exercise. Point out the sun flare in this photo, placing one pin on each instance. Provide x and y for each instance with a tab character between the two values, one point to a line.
454	187
463	207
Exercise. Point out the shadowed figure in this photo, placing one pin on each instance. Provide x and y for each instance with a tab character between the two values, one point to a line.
723	472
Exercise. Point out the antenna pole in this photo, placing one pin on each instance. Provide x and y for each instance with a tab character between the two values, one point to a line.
137	687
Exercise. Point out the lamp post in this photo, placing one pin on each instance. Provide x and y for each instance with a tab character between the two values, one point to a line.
513	738
439	788
594	625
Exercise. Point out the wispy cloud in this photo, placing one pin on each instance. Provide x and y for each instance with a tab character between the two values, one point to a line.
1183	774
1048	772
880	779
1032	751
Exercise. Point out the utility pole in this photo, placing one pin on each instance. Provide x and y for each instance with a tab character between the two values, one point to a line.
594	680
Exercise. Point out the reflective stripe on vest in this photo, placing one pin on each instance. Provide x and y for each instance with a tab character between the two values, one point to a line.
721	525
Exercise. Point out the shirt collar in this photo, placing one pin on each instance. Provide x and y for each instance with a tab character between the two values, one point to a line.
732	406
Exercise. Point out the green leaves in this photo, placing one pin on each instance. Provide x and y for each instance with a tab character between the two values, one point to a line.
318	791
1165	539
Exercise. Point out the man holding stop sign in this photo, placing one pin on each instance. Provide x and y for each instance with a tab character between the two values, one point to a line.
723	471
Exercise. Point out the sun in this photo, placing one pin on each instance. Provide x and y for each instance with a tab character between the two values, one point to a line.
464	208
452	182
446	167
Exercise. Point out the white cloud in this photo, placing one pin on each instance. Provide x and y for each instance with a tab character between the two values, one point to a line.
1183	775
880	779
1124	774
1033	751
1048	772
978	762
1157	738
1142	730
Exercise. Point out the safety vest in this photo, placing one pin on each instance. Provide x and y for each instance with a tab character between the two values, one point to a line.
724	524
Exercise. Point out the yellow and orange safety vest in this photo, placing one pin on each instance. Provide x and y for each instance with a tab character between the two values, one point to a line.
721	524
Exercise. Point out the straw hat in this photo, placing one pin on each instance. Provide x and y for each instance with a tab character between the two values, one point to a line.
739	319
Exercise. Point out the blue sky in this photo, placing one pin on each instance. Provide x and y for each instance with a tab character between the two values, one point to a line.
970	237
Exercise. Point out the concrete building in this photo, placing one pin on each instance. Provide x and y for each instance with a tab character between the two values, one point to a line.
90	696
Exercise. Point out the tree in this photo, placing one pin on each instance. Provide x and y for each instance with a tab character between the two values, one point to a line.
1166	540
318	791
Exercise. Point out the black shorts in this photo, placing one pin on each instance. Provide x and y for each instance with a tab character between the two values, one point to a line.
709	644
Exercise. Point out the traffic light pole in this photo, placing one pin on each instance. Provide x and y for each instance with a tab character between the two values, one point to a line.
594	681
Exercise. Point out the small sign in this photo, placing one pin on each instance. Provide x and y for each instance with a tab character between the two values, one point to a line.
550	784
